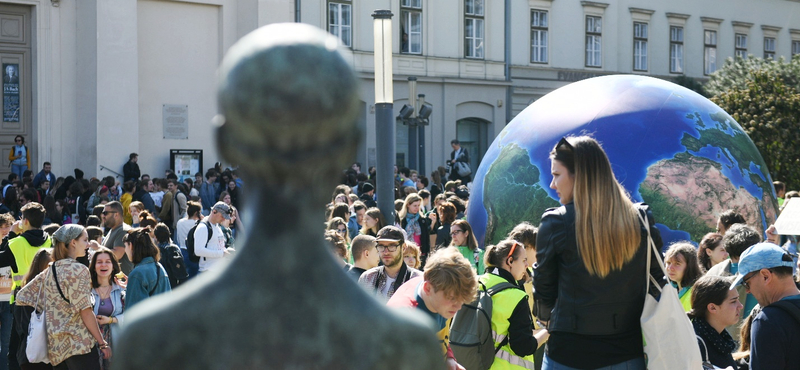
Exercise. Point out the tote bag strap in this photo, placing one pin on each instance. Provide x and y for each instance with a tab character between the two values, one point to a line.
651	249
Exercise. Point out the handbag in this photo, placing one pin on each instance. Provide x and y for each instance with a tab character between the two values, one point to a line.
669	338
36	349
463	169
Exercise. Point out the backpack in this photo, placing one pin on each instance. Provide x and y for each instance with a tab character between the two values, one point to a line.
172	259
190	241
471	330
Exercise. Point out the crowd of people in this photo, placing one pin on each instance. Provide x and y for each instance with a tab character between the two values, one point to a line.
83	251
574	302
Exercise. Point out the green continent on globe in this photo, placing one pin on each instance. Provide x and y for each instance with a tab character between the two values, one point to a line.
512	194
740	151
688	193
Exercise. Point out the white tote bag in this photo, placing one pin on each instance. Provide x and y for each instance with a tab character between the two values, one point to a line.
669	339
36	349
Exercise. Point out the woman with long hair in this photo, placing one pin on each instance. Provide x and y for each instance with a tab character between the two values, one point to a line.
714	307
464	240
109	296
148	277
682	270
373	221
710	251
506	264
340	226
22	314
589	254
416	225
68	304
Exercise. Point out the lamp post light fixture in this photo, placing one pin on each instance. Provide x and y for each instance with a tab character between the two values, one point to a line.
384	106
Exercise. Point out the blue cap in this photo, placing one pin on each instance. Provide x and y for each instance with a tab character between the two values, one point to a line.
761	256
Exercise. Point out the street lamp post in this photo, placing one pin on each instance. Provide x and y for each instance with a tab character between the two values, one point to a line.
384	107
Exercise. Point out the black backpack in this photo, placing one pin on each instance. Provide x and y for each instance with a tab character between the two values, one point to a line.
471	330
172	260
190	240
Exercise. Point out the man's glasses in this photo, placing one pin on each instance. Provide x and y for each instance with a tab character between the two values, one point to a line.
390	248
105	213
746	278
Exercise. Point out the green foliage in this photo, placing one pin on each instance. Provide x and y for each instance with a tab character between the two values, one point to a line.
738	72
764	97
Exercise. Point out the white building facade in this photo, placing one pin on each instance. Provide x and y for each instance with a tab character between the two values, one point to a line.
99	79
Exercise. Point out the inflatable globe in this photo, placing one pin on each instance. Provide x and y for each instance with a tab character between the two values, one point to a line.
669	147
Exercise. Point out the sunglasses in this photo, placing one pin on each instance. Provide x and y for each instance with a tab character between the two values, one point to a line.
564	142
105	213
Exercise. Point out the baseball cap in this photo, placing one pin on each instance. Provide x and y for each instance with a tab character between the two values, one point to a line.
761	256
223	209
390	233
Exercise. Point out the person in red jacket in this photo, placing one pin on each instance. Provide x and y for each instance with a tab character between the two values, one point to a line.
448	282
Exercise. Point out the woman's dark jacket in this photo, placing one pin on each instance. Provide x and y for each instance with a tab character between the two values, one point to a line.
585	307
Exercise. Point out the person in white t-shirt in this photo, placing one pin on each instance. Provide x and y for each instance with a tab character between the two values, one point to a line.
212	250
193	216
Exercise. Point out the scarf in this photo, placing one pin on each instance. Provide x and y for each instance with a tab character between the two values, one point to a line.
412	225
723	342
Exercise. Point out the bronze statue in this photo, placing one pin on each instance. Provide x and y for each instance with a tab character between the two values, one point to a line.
288	104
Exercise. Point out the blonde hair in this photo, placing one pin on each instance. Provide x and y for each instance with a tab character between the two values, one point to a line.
412	249
410	199
447	270
607	225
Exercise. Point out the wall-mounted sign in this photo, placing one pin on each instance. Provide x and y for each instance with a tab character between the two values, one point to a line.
176	121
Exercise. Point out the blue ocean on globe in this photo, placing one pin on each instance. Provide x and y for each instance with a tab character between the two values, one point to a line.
669	147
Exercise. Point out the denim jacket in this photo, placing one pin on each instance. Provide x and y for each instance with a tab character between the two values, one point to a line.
117	300
147	279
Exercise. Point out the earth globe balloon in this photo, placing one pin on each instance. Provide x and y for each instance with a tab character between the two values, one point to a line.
668	146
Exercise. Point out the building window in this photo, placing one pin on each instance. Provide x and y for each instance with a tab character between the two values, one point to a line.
741	45
769	48
676	49
710	53
411	26
473	28
639	46
538	36
340	21
795	47
593	41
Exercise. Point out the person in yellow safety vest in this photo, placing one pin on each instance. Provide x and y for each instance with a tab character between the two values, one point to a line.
683	270
22	242
512	323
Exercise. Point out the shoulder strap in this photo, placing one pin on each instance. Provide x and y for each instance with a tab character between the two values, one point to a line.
210	230
55	276
158	277
789	308
499	288
705	347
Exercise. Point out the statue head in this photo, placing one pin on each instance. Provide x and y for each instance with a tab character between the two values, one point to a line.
288	103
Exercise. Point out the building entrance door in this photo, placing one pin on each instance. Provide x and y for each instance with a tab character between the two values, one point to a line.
15	60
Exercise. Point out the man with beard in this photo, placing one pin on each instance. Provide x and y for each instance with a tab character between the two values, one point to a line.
385	280
112	220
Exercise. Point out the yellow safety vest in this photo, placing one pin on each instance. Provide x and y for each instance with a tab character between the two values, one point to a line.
23	256
503	304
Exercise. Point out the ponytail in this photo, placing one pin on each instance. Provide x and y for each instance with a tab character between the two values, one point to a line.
496	254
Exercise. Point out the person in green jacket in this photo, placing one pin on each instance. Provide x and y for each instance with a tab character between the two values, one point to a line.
464	240
683	269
